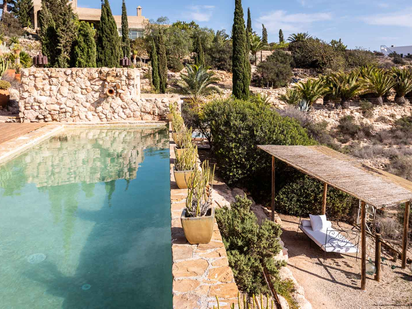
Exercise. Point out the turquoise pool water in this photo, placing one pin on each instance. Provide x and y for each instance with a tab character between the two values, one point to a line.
85	222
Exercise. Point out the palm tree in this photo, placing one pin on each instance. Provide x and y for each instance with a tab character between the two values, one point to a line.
256	45
198	81
343	86
377	84
299	37
403	84
312	90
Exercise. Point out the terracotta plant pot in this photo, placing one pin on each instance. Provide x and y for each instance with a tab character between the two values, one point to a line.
169	116
4	97
182	178
179	151
198	230
17	77
10	74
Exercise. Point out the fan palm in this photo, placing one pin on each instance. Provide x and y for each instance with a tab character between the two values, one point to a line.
311	90
256	45
377	84
403	84
343	86
198	81
298	37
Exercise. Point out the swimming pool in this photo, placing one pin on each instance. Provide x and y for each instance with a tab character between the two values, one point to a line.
85	222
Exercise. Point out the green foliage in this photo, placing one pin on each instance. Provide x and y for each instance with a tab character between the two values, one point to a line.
292	97
4	65
240	61
281	37
220	52
311	90
249	22
303	196
10	25
358	58
200	54
298	37
338	45
162	58
4	85
108	42
343	86
22	10
264	35
155	67
276	71
125	32
25	60
403	83
186	160
249	246
256	45
238	127
84	53
198	81
377	83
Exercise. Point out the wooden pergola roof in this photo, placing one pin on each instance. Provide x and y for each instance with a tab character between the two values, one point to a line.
345	173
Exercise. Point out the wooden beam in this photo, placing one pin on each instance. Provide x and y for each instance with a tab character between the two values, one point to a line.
363	243
273	189
405	233
378	248
325	196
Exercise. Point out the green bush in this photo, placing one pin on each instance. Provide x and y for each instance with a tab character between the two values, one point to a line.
304	195
4	85
238	127
174	64
276	71
25	60
358	58
249	245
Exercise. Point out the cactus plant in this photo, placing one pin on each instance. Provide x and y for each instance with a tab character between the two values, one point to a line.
186	160
183	138
4	65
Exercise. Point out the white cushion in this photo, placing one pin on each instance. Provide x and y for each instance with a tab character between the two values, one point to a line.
318	223
306	223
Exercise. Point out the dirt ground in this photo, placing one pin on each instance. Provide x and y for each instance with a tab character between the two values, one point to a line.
333	280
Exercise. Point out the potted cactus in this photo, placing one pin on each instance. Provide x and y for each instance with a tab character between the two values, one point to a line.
185	165
177	125
4	93
183	140
198	217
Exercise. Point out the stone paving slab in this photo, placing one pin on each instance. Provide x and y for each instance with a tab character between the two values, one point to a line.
200	272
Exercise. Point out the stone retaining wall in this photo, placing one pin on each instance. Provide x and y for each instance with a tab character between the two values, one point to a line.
86	95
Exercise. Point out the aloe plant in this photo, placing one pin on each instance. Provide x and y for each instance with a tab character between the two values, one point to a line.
199	192
403	84
311	90
186	160
184	138
377	84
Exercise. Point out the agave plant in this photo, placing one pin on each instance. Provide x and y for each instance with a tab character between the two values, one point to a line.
291	97
343	86
311	90
377	84
198	81
298	37
199	194
403	84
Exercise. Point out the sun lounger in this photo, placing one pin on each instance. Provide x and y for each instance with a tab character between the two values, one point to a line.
329	239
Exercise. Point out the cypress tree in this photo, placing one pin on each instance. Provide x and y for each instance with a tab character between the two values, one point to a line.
264	34
239	59
248	66
66	33
155	68
200	54
162	62
48	31
108	42
22	10
125	32
249	21
281	38
84	54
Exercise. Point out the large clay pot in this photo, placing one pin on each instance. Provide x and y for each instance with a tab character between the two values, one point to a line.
179	151
17	77
9	75
182	178
4	98
198	230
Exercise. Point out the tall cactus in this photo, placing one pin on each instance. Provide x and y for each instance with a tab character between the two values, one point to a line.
4	65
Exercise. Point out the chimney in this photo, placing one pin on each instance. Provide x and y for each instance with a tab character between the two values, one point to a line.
139	11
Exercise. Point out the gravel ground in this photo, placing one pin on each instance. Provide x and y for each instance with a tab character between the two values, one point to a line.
333	280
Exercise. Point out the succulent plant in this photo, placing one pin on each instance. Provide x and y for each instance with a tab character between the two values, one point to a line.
4	65
254	303
199	195
183	138
186	160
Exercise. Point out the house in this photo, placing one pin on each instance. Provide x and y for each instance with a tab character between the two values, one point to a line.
400	50
137	23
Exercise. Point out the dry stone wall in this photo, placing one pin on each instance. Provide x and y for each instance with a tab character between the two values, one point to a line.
86	95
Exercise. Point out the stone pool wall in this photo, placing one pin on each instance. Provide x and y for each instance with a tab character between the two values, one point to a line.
87	95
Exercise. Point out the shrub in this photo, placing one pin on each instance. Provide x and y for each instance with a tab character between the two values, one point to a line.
276	71
25	60
4	85
404	124
366	108
174	64
249	245
358	58
347	126
304	195
237	127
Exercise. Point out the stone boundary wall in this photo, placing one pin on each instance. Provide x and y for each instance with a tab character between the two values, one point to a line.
200	272
87	95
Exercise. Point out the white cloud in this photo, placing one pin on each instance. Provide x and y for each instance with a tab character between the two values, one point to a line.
200	12
291	22
401	19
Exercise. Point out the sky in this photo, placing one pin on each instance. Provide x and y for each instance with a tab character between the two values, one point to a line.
364	24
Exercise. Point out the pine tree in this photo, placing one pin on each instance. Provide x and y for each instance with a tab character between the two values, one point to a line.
155	67
125	32
162	62
264	34
22	10
108	42
240	56
200	54
281	38
84	54
249	21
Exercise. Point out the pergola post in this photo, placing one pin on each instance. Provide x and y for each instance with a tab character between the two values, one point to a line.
325	196
405	233
363	243
273	189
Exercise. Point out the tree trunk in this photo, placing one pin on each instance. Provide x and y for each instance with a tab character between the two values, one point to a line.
400	100
376	100
345	104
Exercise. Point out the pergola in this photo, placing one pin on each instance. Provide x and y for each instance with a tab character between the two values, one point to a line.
371	186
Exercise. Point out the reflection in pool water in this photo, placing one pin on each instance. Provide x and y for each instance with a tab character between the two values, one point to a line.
85	222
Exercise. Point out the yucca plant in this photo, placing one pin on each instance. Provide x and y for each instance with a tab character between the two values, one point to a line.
186	160
403	84
183	138
199	192
311	90
343	86
377	84
198	81
291	97
253	303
